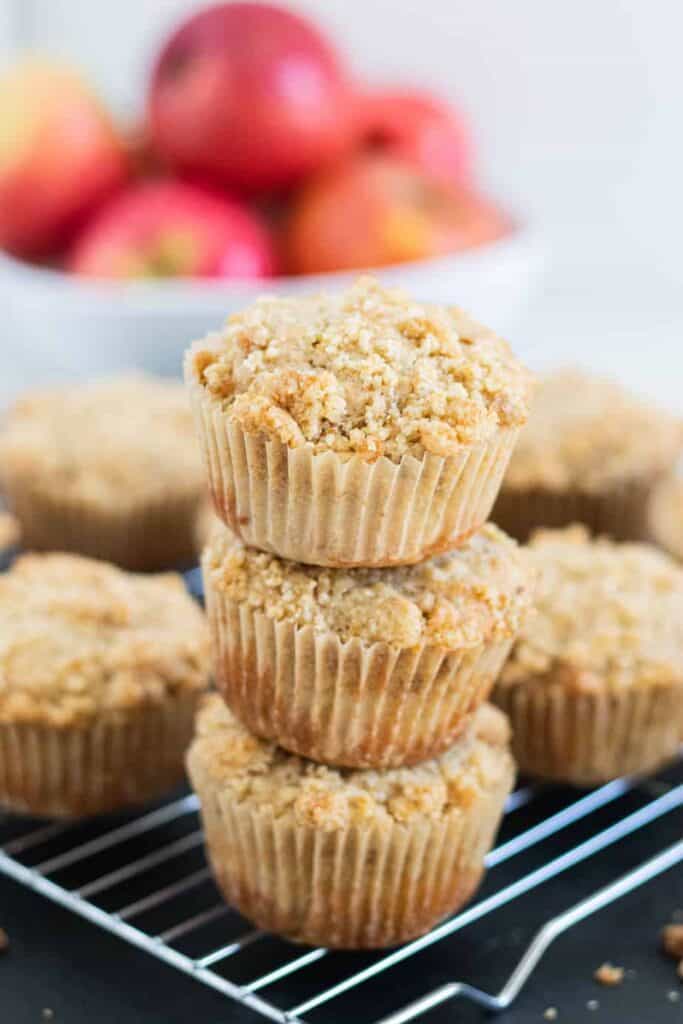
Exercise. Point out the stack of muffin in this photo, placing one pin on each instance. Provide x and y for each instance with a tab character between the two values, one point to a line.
350	773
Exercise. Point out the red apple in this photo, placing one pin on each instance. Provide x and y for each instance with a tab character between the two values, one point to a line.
419	129
251	96
374	210
173	229
59	156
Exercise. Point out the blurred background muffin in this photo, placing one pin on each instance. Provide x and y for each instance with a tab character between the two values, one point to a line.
590	453
110	469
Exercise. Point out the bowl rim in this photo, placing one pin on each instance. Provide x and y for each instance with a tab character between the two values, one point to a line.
156	295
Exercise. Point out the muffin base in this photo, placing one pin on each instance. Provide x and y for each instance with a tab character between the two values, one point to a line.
350	704
343	511
358	888
589	738
150	538
117	761
621	513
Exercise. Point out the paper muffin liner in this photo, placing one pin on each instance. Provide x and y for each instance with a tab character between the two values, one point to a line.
621	512
351	703
155	536
119	760
588	738
326	509
360	887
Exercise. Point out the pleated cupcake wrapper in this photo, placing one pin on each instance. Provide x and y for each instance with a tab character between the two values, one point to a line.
323	509
159	535
365	886
621	512
352	704
116	761
587	738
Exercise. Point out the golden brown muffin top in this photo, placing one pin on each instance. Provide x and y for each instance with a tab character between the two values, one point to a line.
608	616
367	372
666	516
112	443
80	637
479	591
586	432
252	770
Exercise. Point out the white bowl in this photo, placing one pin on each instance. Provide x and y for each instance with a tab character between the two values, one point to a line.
59	325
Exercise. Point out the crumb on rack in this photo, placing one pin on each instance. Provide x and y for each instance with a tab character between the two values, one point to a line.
550	1013
673	996
672	940
608	974
592	1004
4	941
47	1013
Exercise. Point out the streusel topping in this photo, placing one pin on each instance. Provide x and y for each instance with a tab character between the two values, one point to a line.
459	599
586	432
369	372
666	516
278	783
111	443
607	615
78	637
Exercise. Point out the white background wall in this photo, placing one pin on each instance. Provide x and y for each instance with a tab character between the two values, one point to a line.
576	108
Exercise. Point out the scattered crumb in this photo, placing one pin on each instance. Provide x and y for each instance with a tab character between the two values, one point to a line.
672	940
550	1013
609	975
47	1013
593	1004
673	996
4	941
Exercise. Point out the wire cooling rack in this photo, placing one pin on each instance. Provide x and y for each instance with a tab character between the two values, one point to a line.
145	879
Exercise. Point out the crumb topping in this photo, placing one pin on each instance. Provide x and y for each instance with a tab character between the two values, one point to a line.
113	442
78	637
672	940
607	615
369	372
481	590
253	770
587	432
666	516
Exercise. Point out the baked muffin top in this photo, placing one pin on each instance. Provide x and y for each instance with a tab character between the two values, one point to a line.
666	516
607	615
252	770
479	591
586	432
111	443
368	372
80	637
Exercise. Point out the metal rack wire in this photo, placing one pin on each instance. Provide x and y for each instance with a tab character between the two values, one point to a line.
110	874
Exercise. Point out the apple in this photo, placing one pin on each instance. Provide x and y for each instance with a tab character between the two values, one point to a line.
375	210
173	229
60	156
250	96
420	129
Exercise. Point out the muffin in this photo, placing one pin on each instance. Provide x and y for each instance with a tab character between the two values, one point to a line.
362	667
100	677
361	429
594	685
590	453
666	516
109	469
347	859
